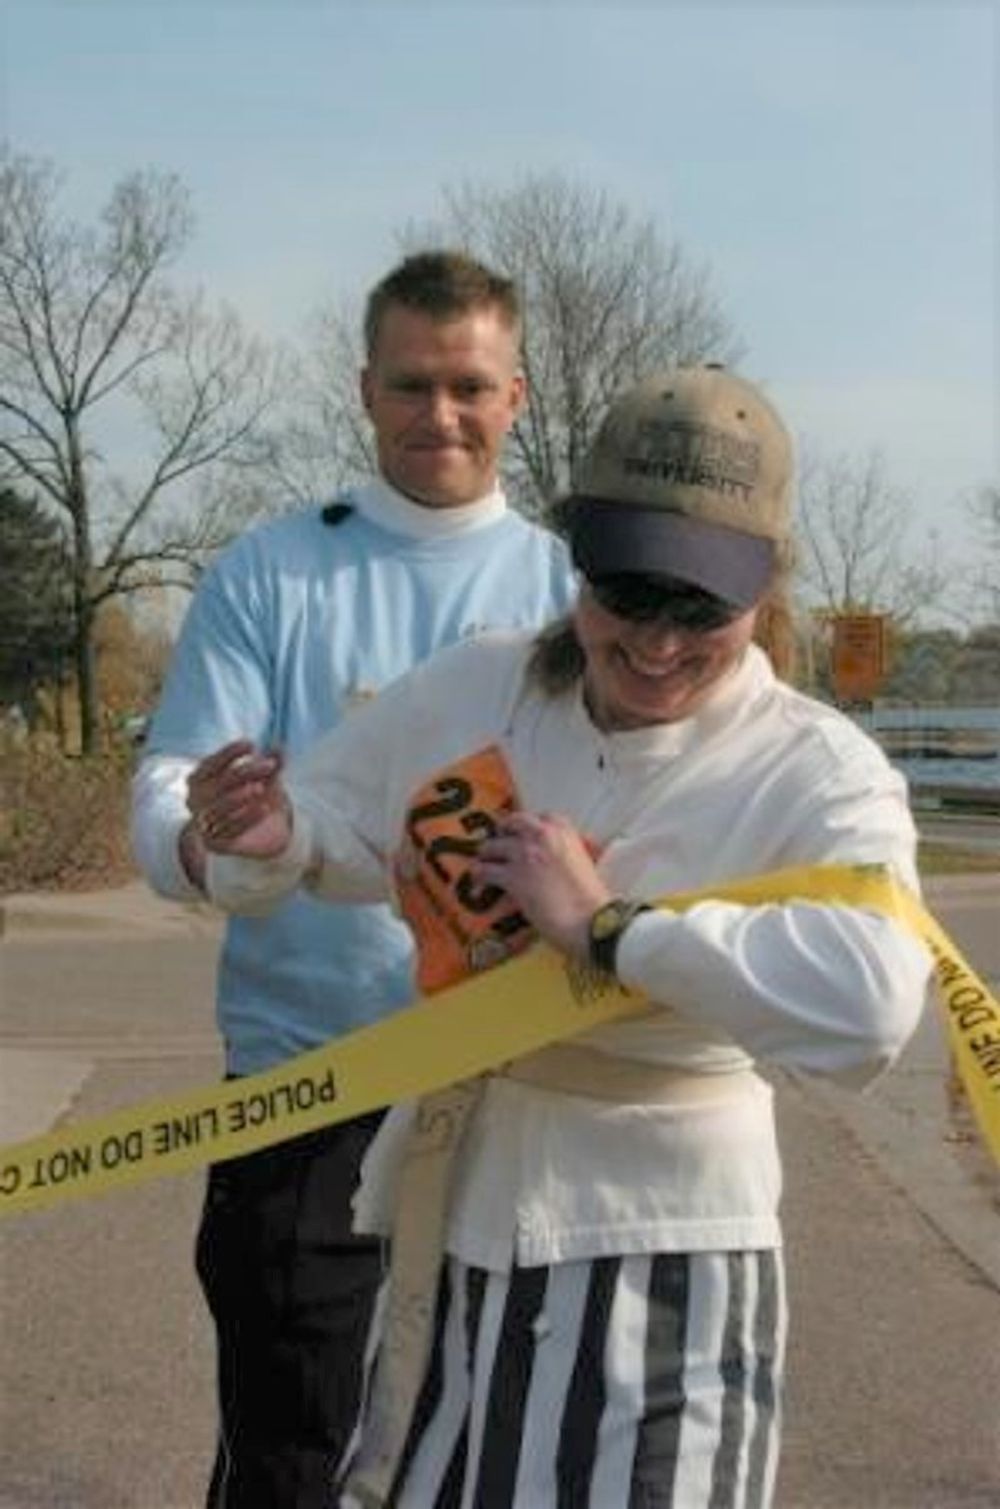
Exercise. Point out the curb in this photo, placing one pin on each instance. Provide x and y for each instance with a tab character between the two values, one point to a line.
920	1165
957	885
129	912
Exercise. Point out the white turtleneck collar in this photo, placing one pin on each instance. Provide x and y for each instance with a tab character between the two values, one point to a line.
393	511
751	676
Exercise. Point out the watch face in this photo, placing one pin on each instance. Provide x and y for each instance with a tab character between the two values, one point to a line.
606	920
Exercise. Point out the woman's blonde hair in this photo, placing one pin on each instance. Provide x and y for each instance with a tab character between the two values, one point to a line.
775	629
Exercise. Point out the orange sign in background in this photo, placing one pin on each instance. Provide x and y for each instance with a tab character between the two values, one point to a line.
859	655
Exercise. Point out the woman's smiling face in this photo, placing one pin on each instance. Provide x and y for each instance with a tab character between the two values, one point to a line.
639	674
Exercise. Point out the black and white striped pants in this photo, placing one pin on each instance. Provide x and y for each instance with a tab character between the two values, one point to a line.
614	1383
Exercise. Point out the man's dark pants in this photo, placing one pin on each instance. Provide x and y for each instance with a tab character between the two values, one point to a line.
291	1292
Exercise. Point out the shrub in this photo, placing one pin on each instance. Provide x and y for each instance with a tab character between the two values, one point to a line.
63	818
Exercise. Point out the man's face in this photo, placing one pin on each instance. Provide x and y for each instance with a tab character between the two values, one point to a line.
441	396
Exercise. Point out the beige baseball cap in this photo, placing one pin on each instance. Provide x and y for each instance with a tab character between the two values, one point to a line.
690	477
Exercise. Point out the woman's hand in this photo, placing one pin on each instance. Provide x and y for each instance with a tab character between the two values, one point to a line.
541	861
238	804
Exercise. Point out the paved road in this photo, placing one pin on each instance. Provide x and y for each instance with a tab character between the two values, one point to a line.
893	1237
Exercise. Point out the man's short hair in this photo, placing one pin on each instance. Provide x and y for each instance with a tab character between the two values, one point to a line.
443	285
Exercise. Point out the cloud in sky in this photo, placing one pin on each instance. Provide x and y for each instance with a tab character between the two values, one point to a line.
834	165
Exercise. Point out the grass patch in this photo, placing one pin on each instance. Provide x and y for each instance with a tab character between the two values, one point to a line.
936	858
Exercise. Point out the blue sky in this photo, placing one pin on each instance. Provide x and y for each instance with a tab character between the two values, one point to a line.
835	166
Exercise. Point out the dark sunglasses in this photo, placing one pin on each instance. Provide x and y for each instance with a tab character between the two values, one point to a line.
650	599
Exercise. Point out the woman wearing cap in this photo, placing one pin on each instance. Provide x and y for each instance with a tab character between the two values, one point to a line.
610	1316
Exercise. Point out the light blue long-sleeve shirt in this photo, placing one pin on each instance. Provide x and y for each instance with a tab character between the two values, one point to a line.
292	624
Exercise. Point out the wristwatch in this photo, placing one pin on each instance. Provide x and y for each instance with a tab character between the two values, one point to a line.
606	928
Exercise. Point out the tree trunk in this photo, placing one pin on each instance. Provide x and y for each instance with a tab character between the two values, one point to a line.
83	609
86	678
60	705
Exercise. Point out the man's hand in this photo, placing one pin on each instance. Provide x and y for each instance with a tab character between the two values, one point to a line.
238	805
541	861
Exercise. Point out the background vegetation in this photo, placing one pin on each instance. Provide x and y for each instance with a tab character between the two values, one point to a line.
142	427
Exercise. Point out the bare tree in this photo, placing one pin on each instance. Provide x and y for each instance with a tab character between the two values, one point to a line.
91	337
853	541
324	440
984	513
607	300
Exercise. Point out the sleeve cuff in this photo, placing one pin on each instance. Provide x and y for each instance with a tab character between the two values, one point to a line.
252	885
159	812
171	878
647	934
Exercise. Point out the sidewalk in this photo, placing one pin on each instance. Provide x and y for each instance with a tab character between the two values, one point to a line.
122	909
40	1080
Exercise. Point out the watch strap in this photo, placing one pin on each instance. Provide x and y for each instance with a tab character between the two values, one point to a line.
607	925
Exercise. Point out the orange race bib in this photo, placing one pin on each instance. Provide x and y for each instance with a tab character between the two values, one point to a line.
459	926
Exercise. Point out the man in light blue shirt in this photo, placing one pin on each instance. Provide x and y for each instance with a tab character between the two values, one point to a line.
293	624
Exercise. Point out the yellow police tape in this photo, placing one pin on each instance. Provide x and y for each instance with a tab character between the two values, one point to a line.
508	1011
